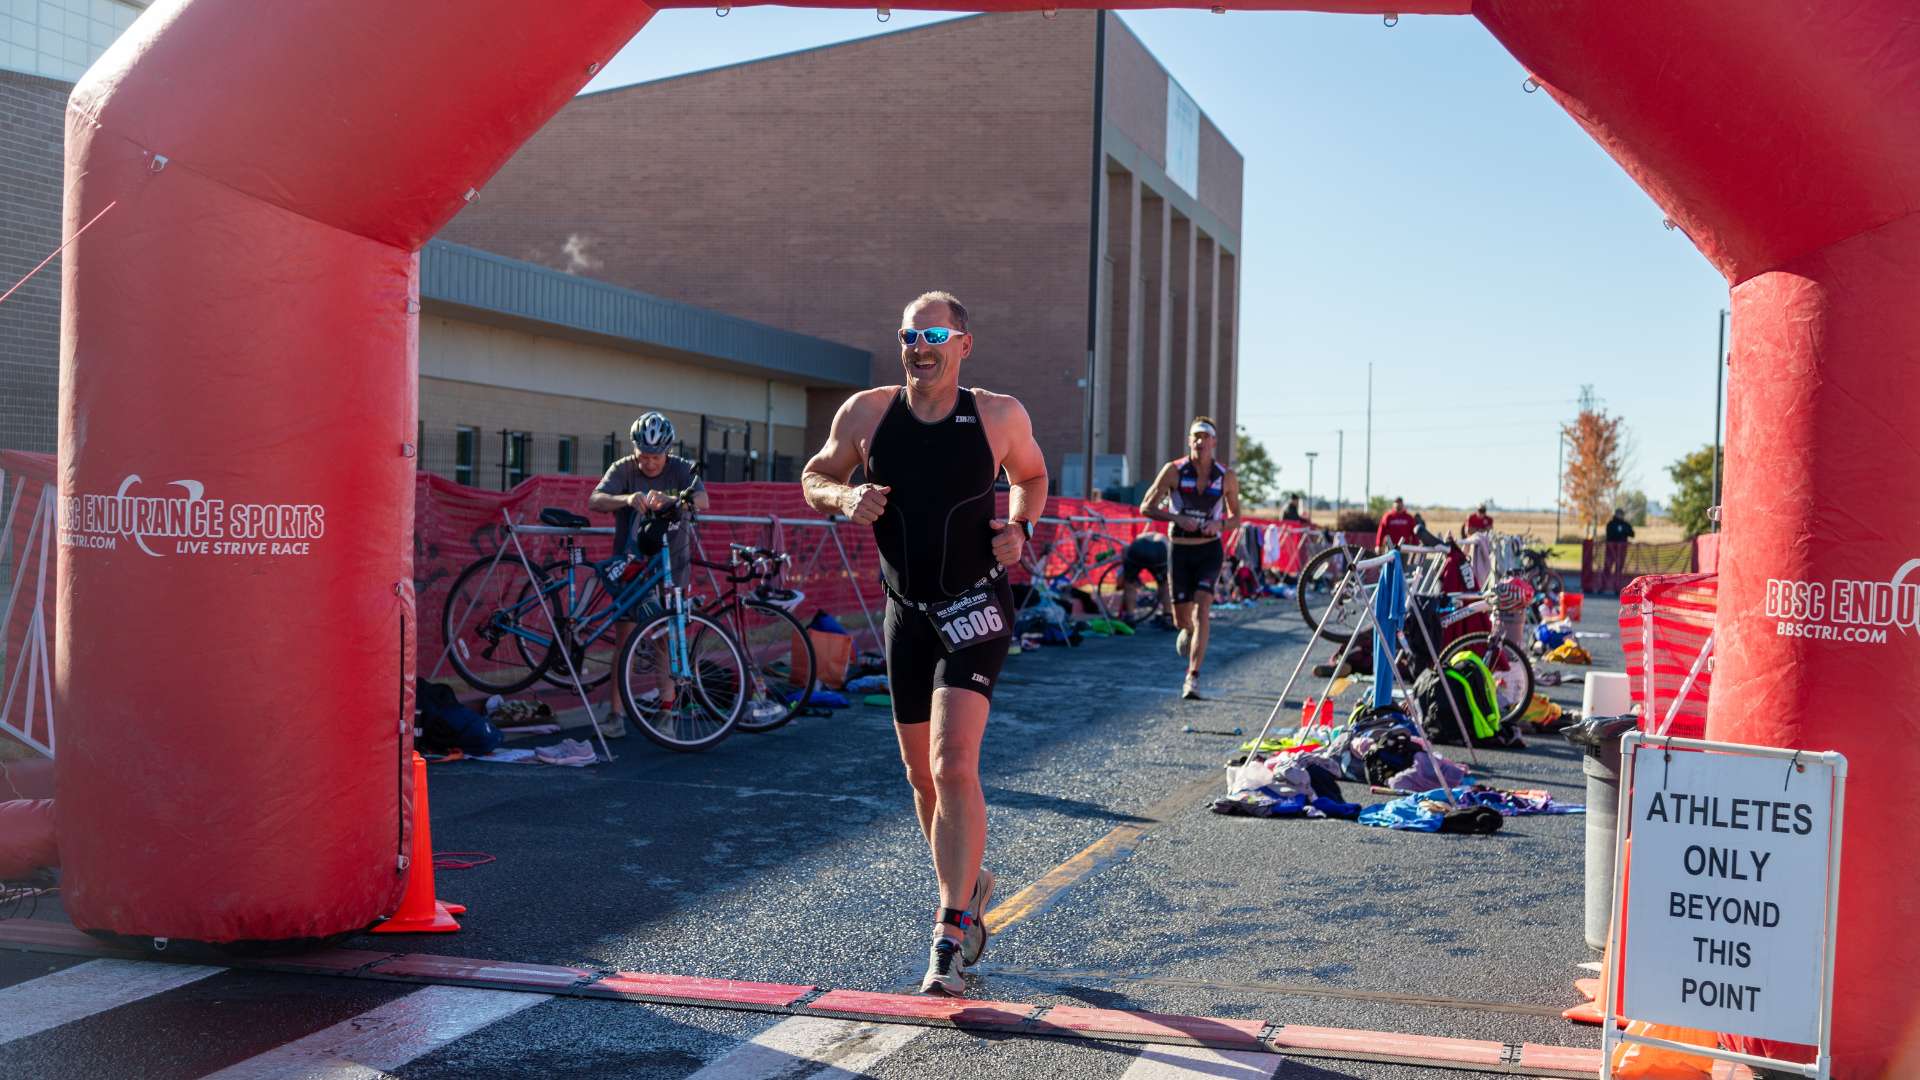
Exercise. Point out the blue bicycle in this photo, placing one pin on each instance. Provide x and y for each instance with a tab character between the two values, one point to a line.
680	676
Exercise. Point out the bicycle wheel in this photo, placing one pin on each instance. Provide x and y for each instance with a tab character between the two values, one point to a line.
497	638
779	660
682	707
1326	592
1512	670
593	659
1146	595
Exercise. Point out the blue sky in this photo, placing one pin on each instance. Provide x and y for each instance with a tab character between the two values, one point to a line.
1407	204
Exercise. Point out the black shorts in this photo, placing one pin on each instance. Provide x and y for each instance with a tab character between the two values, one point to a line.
1195	566
918	664
1143	558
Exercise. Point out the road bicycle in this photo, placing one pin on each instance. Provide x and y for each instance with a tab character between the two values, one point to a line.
1088	561
780	656
678	673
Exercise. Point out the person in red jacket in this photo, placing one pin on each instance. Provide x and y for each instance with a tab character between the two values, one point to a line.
1396	526
1478	521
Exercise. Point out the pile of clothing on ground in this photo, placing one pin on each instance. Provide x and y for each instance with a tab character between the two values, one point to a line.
1382	747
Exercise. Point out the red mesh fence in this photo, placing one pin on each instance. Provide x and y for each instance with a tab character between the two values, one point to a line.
1664	622
1606	568
454	525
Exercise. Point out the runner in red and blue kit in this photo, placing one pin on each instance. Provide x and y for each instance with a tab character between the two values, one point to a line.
932	452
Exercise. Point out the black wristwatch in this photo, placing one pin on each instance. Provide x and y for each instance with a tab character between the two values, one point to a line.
1025	526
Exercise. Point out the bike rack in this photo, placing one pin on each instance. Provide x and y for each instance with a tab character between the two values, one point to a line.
514	532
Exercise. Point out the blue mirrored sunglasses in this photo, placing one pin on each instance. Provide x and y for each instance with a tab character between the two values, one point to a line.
935	335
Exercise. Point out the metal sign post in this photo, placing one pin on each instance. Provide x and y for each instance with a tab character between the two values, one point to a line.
1730	922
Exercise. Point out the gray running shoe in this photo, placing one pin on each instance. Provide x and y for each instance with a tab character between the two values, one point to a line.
943	977
1182	640
975	942
1190	691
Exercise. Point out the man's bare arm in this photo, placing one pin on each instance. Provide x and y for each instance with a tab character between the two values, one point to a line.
1026	466
1161	490
1230	494
824	481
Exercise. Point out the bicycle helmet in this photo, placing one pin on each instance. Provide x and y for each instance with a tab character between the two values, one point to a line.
653	433
1509	595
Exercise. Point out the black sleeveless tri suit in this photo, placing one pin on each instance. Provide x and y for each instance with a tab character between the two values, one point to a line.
1195	566
936	544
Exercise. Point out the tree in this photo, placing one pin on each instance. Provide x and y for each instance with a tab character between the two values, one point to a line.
1257	472
1634	502
1693	491
1378	505
1596	455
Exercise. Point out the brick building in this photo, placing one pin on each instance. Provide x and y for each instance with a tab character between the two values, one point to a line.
819	190
522	370
44	46
733	247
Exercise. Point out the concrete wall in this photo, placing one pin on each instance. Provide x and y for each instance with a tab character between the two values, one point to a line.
494	378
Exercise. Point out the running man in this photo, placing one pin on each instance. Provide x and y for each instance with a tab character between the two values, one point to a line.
932	452
1204	502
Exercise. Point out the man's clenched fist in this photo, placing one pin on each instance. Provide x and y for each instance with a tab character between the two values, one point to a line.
864	505
1009	540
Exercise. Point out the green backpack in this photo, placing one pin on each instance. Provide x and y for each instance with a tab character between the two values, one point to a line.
1474	687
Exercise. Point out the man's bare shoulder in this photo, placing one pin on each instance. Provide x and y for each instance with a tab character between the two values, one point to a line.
997	405
869	402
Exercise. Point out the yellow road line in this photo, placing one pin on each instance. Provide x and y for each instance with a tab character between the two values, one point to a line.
1121	841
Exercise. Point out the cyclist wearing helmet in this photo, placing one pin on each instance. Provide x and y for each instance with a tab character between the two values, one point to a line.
932	452
646	480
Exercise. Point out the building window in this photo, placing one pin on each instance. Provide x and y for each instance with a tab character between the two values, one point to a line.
569	451
58	39
513	457
609	452
466	443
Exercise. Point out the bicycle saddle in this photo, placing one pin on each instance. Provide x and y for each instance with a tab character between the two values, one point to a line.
563	519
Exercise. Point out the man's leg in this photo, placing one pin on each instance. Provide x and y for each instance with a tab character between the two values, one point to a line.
957	828
1202	620
914	753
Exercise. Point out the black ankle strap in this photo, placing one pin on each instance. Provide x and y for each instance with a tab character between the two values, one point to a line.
956	917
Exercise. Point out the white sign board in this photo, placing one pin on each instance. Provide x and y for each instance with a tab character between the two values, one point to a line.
1183	139
1727	892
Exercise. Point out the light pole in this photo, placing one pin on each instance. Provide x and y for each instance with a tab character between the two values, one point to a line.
1719	370
1311	454
1340	477
1559	476
1366	486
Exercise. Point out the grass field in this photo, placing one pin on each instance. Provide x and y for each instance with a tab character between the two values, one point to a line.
1539	524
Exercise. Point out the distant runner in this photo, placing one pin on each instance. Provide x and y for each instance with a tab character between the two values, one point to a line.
1203	502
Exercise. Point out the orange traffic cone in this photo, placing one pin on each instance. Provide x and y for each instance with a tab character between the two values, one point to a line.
419	912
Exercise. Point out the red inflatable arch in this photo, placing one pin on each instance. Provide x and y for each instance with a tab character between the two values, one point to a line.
239	330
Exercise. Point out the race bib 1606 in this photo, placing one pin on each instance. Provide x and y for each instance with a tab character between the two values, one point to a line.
970	620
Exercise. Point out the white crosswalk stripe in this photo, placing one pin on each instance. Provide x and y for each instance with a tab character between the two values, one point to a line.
83	990
366	1046
1194	1062
843	1048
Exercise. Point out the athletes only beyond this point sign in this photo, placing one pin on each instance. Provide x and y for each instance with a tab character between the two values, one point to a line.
1727	893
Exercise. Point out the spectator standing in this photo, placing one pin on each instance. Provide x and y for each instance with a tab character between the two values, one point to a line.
1619	531
1396	526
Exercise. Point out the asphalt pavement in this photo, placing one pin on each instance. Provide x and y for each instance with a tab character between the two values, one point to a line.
794	857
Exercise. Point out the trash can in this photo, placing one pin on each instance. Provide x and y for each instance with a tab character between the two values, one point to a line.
1599	737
